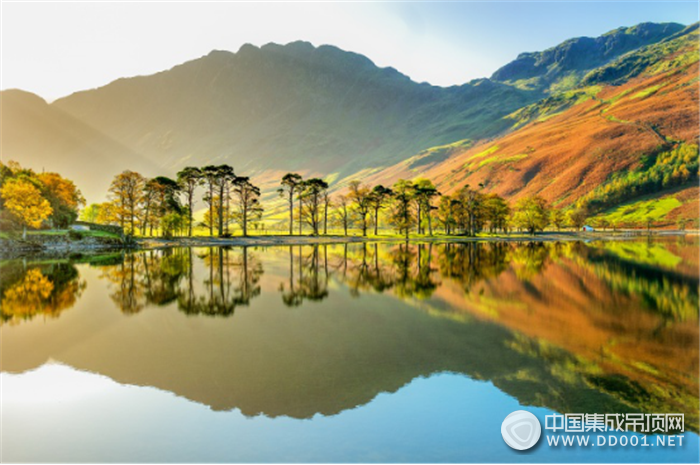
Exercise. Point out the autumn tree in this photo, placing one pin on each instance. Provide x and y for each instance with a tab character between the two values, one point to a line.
125	193
290	185
90	213
557	218
24	201
189	179
248	202
531	214
106	213
359	195
63	196
378	199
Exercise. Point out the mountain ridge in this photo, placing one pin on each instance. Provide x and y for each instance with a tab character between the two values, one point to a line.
317	110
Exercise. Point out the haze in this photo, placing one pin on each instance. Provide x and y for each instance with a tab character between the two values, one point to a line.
54	49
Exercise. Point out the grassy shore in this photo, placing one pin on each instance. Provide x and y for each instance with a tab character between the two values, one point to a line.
269	239
59	241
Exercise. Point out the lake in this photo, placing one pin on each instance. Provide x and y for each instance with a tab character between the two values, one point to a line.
374	352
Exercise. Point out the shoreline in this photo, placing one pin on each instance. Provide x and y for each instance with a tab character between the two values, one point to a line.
10	249
282	240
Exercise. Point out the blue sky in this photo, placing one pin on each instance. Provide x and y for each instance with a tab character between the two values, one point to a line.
57	48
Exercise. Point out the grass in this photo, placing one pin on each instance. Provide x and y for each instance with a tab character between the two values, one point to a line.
484	153
64	232
648	91
502	161
637	212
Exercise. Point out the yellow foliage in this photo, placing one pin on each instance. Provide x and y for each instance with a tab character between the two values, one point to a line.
24	200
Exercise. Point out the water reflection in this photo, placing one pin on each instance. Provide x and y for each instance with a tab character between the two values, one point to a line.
574	327
39	289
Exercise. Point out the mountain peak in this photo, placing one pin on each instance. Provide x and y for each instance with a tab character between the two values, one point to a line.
571	58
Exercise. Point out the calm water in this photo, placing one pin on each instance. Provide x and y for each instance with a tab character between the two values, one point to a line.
344	353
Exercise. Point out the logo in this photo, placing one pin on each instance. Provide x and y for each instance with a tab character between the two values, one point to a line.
521	430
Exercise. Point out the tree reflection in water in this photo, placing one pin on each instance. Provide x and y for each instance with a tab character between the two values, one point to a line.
548	322
159	277
29	290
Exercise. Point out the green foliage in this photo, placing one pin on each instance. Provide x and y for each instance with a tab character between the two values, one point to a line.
531	214
670	168
552	105
569	64
638	212
75	235
678	51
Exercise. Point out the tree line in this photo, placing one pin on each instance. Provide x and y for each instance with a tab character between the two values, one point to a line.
141	205
416	206
163	205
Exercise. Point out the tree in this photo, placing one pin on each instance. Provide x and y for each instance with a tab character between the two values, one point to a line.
210	175
496	212
63	196
312	193
90	213
150	195
106	213
470	210
172	223
23	199
126	191
167	199
359	195
531	214
401	214
290	186
224	176
446	212
378	199
576	217
424	193
342	203
188	179
248	202
326	197
557	218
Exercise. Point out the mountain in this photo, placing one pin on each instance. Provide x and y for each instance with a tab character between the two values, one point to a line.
556	122
563	66
289	107
625	135
45	138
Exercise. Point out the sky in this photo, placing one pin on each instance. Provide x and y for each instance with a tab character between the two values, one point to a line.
56	48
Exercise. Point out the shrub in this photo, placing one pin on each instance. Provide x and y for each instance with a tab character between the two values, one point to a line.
75	235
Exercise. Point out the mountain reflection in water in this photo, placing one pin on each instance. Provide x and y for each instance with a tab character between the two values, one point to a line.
318	329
